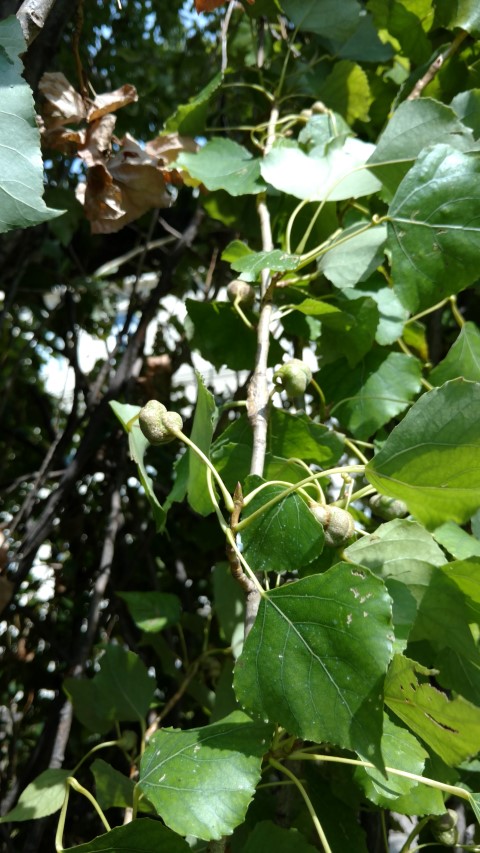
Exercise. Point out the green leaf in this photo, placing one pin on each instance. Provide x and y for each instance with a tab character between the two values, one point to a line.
21	168
190	119
433	233
460	13
44	796
321	17
463	358
112	788
216	330
449	726
401	750
138	445
335	174
367	397
474	800
357	337
122	690
141	836
268	836
414	126
352	256
201	434
404	21
296	435
315	659
152	611
467	108
224	165
466	575
201	781
443	621
268	544
346	90
403	553
392	314
431	460
276	260
456	541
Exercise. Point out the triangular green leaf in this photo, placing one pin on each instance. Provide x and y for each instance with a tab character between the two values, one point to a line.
413	126
224	165
449	726
112	788
267	541
401	750
21	167
141	836
433	230
315	659
335	174
367	397
152	611
122	690
201	781
353	255
44	796
431	460
463	358
190	118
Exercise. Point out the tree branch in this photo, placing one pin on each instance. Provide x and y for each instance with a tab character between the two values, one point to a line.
33	15
435	66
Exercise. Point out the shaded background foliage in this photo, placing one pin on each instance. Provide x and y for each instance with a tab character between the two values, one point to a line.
78	525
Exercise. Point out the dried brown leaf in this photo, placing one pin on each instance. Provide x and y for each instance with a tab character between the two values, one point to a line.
109	102
123	190
168	146
64	103
98	142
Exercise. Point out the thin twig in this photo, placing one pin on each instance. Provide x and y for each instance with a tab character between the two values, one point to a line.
435	66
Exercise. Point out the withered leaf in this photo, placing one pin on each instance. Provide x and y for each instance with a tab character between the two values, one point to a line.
64	103
109	102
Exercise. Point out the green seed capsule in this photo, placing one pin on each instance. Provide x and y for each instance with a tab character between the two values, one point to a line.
337	524
293	377
157	423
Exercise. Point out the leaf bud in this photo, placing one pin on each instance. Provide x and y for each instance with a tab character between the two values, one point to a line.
338	526
444	828
293	377
241	291
388	508
157	423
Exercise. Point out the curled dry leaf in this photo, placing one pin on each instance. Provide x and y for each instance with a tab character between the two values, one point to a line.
121	190
109	102
121	185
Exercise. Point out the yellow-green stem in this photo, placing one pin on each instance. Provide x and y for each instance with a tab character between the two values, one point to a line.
356	469
91	751
353	447
81	790
454	790
61	821
307	800
225	493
